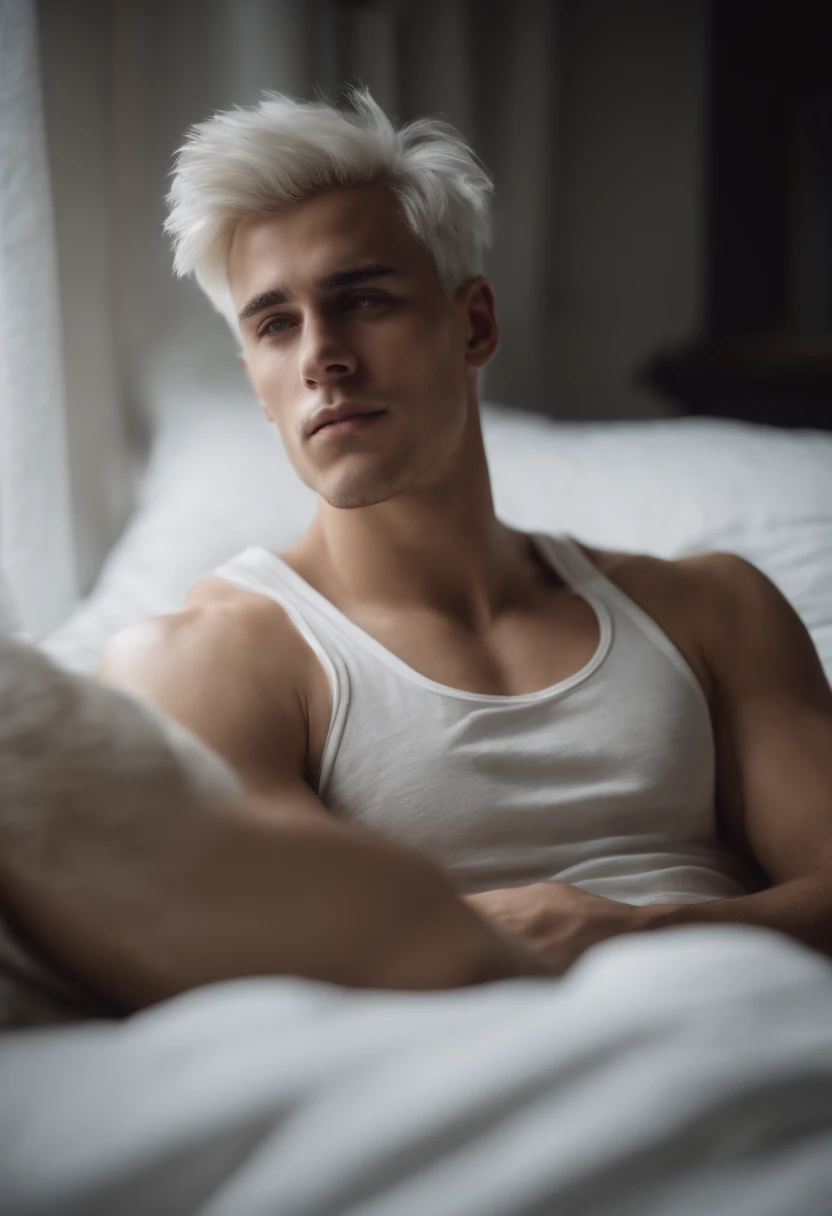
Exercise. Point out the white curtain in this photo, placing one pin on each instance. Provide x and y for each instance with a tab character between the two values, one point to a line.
36	545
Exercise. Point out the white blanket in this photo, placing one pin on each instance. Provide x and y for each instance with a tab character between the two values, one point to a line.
680	1073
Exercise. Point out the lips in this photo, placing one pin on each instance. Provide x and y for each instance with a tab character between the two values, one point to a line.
327	418
348	424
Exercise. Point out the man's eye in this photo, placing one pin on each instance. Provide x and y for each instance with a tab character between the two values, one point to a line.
363	301
267	328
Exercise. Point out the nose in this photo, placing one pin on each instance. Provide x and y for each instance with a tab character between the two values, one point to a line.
324	356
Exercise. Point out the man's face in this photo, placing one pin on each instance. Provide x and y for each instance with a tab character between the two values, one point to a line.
341	306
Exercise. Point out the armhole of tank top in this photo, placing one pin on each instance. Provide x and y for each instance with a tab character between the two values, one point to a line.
333	665
586	571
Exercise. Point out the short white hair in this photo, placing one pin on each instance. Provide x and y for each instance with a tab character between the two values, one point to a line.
254	161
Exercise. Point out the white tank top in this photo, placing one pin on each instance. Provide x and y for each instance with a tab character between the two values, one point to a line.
604	780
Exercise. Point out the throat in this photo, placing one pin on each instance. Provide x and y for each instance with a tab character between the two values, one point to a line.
471	598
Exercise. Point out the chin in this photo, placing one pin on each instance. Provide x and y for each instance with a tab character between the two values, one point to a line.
361	489
349	497
366	482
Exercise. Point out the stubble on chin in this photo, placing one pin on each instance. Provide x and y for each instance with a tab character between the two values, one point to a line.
348	495
366	487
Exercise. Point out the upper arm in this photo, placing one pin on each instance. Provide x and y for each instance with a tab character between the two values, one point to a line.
225	672
772	718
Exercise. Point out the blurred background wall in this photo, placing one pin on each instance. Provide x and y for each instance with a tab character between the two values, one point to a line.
589	113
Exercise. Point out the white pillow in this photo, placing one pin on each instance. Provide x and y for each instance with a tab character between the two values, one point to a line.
219	481
72	746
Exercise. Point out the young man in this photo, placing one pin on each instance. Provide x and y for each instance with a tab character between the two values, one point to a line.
589	743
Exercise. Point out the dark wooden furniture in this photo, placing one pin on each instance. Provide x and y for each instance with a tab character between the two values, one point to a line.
766	353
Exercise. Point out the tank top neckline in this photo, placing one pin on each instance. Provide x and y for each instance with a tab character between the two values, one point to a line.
548	547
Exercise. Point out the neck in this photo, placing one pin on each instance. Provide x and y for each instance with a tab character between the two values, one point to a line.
435	547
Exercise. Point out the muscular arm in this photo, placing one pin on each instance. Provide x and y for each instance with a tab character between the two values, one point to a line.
154	896
193	892
773	731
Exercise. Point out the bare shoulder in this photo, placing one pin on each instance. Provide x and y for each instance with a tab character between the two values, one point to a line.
751	631
666	577
720	586
721	610
712	570
218	625
694	599
229	665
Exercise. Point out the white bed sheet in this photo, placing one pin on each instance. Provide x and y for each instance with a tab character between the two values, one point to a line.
681	1073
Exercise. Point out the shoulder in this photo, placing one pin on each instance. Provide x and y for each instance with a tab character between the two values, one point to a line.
218	627
714	573
703	602
668	583
752	633
229	665
731	611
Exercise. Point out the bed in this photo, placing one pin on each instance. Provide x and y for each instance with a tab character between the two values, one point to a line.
679	1073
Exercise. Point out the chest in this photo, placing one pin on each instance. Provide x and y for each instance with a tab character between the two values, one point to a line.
523	652
515	789
547	643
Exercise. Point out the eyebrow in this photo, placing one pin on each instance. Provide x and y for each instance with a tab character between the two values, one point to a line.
341	278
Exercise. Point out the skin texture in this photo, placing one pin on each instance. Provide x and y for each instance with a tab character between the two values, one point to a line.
406	544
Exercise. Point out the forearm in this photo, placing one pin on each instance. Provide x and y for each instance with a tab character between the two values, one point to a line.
212	892
802	909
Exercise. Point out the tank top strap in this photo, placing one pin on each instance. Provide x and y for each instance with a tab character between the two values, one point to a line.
585	574
568	559
256	569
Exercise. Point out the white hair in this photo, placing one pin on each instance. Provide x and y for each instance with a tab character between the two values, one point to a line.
246	161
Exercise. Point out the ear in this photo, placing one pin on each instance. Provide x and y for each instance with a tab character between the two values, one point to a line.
480	321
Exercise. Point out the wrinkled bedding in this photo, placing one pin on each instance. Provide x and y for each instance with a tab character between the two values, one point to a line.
681	1073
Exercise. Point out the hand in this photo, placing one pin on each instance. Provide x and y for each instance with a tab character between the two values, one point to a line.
555	921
